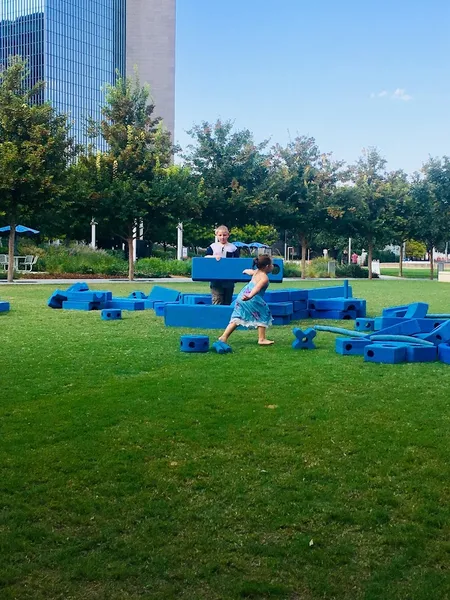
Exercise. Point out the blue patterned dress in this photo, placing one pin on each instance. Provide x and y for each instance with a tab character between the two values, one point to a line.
254	312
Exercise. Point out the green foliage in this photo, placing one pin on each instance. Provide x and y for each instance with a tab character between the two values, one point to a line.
318	267
291	269
385	256
264	234
156	267
354	271
415	250
80	259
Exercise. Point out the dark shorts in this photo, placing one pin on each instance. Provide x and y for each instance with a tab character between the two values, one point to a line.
222	295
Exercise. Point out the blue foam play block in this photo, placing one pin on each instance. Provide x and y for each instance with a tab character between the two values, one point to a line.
351	346
111	314
56	299
440	334
194	343
138	295
300	315
421	353
160	308
300	305
221	347
89	296
196	299
159	293
280	308
385	353
297	295
80	286
335	291
333	314
68	305
395	311
444	353
344	304
230	269
273	296
304	339
126	304
364	324
281	320
4	306
406	327
197	316
415	310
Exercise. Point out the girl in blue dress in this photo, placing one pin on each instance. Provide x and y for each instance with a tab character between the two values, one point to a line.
250	310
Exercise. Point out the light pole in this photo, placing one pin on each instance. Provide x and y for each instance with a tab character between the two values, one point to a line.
93	241
179	241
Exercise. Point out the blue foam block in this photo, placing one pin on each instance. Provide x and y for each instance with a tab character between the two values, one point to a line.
68	305
304	339
280	308
352	346
333	314
364	324
194	343
138	295
415	310
230	269
344	304
421	353
385	353
395	311
80	286
300	305
89	296
160	308
297	295
300	315
56	299
444	353
281	320
440	334
335	291
221	347
277	296
111	314
163	294
196	299
197	316
4	306
406	327
126	304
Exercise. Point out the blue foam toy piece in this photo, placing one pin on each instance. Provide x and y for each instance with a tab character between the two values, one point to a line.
440	334
385	353
273	296
196	299
351	346
281	308
364	324
138	295
4	306
395	311
348	332
80	286
304	339
300	315
282	320
344	304
111	314
221	347
346	295
406	327
416	310
160	308
444	353
56	299
68	305
89	296
400	338
159	293
335	291
444	316
300	304
194	343
197	316
416	353
297	295
336	315
126	304
230	269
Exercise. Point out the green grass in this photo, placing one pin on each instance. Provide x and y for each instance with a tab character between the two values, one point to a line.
410	273
130	470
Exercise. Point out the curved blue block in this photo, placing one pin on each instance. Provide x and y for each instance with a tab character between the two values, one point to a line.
348	332
194	343
400	338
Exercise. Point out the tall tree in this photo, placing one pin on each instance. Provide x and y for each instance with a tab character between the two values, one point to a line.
134	182
302	184
233	169
35	148
431	205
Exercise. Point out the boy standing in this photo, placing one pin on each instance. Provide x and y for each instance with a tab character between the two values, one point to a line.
222	291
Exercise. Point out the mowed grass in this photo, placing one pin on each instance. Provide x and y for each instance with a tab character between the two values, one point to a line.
410	273
131	470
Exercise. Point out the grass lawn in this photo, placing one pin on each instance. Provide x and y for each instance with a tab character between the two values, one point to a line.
410	273
129	470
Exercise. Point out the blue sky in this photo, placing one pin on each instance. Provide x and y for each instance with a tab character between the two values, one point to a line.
352	74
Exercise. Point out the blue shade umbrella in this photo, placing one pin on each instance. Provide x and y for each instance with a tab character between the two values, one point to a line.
240	244
19	229
257	245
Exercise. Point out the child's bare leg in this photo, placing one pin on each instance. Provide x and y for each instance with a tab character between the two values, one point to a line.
228	331
262	340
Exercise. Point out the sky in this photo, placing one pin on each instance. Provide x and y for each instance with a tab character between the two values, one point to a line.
351	74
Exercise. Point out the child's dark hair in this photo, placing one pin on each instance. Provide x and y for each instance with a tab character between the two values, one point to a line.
262	261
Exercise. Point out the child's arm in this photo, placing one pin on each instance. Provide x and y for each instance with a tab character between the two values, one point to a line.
250	272
260	284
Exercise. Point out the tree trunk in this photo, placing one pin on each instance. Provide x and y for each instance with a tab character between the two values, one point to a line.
304	248
431	264
12	234
369	258
130	241
400	269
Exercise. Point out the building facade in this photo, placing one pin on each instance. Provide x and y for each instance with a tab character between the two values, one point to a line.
78	46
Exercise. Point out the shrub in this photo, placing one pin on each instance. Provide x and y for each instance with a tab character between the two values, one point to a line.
355	271
151	267
291	269
80	259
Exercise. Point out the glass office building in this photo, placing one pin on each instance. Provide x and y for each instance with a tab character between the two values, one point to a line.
75	46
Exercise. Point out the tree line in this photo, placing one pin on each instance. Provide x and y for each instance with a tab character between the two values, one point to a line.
134	187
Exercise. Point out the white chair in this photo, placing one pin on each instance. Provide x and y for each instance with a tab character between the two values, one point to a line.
4	261
28	263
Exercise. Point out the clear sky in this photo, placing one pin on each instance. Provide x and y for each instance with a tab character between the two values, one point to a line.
350	73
